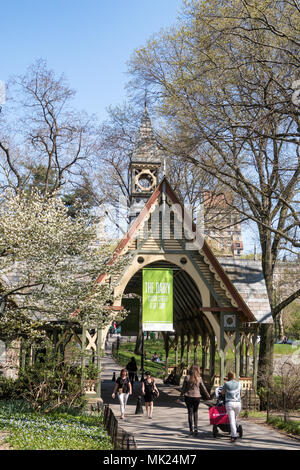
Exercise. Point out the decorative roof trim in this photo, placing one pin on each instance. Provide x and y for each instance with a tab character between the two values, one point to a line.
237	301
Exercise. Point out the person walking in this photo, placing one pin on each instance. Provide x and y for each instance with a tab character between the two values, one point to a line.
149	391
132	370
191	390
124	389
232	392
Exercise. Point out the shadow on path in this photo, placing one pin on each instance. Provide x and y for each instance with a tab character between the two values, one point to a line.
169	427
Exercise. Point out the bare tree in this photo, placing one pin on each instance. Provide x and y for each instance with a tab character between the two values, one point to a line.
223	83
42	134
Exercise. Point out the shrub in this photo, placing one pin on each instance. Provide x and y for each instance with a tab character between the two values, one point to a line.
285	385
10	389
51	383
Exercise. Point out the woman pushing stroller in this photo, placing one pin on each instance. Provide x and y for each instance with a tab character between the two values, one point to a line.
232	393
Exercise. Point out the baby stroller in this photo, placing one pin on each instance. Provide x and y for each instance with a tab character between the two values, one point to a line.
218	415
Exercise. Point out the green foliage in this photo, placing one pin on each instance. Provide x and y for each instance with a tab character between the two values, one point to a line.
292	326
51	383
55	431
284	349
221	81
9	388
51	261
38	176
292	427
126	351
80	199
91	372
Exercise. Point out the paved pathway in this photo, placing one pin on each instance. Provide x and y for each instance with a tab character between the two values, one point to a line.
169	427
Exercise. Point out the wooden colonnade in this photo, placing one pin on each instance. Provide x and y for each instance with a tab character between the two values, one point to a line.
241	341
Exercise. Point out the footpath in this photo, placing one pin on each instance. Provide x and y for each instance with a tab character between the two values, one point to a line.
168	429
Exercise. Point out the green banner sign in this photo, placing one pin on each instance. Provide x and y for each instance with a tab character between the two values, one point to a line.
157	299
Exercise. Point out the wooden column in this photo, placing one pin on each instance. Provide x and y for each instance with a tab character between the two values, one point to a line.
83	349
196	343
176	350
188	350
181	347
212	359
207	349
242	348
255	359
247	358
203	341
237	349
98	359
222	349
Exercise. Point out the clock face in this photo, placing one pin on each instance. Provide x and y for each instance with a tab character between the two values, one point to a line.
145	180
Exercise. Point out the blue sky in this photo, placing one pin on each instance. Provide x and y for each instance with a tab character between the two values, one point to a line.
89	41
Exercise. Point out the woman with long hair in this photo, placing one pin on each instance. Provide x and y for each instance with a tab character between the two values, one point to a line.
124	389
149	391
191	391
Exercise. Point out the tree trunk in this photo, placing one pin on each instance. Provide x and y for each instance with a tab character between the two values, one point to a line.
138	343
266	356
280	327
266	345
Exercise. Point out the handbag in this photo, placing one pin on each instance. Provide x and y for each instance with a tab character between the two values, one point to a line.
154	393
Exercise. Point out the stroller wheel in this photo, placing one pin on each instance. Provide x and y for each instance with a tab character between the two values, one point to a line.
240	431
215	431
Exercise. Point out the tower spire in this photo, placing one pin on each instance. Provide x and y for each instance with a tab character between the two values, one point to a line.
144	164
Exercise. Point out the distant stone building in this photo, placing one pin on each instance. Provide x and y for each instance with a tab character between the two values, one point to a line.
222	224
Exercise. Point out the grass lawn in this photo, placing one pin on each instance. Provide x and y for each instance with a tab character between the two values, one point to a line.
126	351
284	349
57	431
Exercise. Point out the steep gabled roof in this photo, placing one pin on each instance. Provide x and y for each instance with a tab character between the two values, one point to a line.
241	301
247	276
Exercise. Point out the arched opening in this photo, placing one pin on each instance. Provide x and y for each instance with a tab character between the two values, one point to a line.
193	339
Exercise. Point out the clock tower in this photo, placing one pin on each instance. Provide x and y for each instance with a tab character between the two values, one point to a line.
144	166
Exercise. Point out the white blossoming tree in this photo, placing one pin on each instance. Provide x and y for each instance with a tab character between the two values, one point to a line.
49	264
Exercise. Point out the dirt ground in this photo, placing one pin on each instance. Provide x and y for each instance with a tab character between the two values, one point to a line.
4	445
